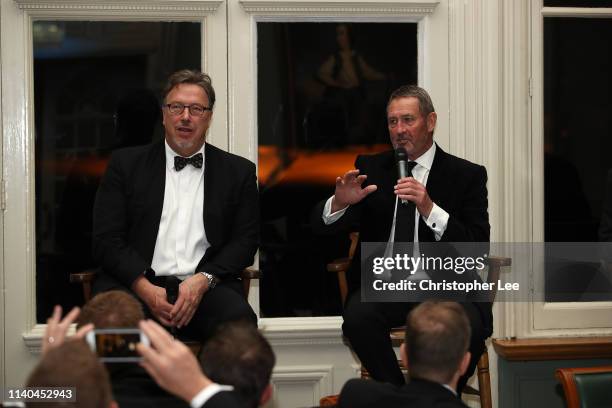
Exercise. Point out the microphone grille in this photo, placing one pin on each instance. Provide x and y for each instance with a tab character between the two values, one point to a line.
400	154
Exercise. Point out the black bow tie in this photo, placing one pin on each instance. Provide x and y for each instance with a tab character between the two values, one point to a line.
181	162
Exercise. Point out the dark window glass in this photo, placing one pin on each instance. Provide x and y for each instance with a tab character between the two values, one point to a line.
577	3
96	88
322	93
578	146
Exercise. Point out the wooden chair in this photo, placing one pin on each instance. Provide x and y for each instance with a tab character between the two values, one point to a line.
586	386
340	266
329	401
86	278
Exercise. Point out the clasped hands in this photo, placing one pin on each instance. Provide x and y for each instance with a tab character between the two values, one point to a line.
181	312
349	192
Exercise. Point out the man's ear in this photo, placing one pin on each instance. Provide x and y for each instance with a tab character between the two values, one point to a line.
113	404
465	362
432	118
266	395
404	354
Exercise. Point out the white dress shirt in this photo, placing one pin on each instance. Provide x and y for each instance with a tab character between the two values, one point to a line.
207	393
181	239
438	218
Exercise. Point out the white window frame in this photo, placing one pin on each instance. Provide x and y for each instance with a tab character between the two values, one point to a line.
558	318
433	74
243	16
19	251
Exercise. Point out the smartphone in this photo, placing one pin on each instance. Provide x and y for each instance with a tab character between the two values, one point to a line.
116	345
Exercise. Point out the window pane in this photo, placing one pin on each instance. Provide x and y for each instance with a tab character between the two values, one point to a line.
96	89
577	145
322	92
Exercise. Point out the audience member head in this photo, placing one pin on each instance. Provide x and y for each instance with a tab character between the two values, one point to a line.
437	341
115	308
72	364
240	356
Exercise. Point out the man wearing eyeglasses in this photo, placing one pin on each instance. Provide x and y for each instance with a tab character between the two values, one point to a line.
177	220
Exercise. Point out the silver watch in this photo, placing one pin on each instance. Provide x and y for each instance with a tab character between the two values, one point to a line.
212	280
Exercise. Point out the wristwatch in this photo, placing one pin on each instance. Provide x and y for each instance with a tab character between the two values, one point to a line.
149	273
212	280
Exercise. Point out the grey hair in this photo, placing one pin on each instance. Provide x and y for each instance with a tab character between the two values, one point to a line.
406	91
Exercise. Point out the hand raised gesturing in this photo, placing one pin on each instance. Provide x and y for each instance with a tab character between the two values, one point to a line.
349	191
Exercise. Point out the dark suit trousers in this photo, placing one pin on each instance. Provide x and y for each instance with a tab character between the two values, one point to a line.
224	303
367	326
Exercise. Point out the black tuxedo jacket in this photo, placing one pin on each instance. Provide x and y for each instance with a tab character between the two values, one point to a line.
133	387
225	399
456	185
358	393
129	205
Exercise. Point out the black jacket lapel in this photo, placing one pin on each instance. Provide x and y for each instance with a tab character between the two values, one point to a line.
155	174
210	188
387	184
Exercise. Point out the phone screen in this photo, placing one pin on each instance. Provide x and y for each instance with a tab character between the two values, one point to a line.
116	345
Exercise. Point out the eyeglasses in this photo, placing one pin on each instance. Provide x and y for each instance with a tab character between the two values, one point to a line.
177	108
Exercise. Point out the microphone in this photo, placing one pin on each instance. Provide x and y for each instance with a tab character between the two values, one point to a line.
401	158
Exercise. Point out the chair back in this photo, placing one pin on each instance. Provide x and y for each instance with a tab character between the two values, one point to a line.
586	387
495	264
340	267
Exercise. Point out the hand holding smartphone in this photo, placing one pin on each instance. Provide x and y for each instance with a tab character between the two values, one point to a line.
116	345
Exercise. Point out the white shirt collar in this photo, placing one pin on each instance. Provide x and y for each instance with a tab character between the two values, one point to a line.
426	159
451	389
171	153
207	393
